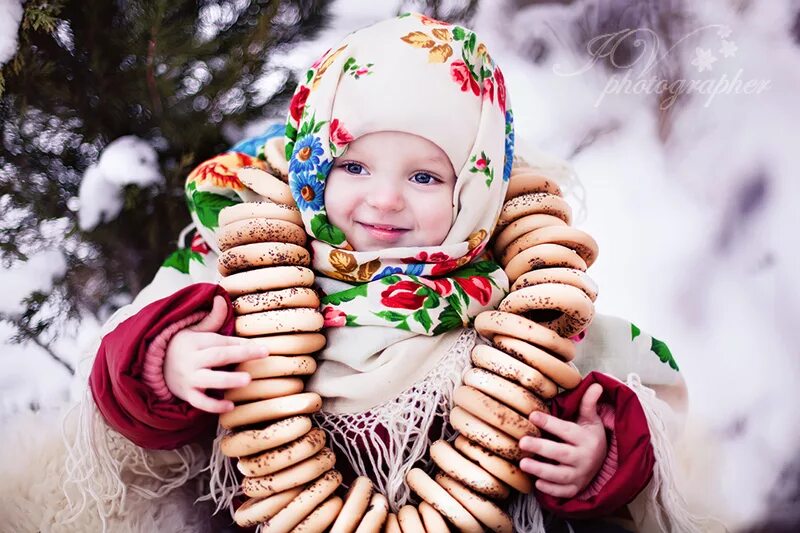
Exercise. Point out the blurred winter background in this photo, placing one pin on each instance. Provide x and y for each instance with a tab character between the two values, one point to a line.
680	118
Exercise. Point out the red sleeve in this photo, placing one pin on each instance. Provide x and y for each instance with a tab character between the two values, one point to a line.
125	401
628	465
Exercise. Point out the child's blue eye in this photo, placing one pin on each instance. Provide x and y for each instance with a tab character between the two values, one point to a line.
424	178
352	168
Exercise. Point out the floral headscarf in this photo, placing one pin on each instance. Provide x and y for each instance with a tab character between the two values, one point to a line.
422	76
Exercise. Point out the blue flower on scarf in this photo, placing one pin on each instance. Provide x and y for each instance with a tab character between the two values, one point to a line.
307	191
509	158
306	156
388	271
251	146
415	269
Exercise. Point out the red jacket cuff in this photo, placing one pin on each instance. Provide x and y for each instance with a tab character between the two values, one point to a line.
126	402
629	462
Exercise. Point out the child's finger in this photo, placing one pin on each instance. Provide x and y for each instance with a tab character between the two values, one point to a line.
225	355
206	403
216	379
560	474
557	451
588	408
215	319
567	431
555	489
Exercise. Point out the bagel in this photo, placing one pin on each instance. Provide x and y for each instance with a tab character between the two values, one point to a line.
246	210
261	254
502	364
257	510
489	323
504	391
529	204
279	321
304	504
267	279
440	499
271	409
288	478
563	308
522	226
376	514
452	463
566	276
581	242
486	511
503	470
482	433
251	441
543	256
283	456
281	299
526	181
494	413
276	366
564	374
254	230
267	185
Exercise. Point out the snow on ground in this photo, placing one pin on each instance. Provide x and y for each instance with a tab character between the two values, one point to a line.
10	17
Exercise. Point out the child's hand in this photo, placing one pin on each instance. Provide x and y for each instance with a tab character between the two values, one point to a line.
580	455
193	352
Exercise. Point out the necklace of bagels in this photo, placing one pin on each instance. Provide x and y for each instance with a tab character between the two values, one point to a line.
289	473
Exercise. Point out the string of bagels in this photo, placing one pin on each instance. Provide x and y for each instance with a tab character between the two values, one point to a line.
289	472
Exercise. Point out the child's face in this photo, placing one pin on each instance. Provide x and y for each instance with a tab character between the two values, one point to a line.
391	189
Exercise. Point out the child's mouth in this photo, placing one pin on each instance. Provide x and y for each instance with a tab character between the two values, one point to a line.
383	232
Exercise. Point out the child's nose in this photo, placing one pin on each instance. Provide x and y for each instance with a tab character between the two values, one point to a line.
386	198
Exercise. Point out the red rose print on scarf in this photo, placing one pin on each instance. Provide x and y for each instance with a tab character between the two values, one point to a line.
339	134
199	245
460	73
488	89
478	287
401	296
333	318
443	287
423	257
501	88
298	103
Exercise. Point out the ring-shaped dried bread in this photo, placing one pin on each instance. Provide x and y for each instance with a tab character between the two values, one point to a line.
304	504
267	279
573	238
392	524
521	400
254	230
432	519
257	510
245	210
278	366
440	499
283	456
486	511
563	308
565	276
482	433
252	441
409	520
452	463
500	468
272	409
321	518
263	389
299	319
288	478
376	514
494	413
530	204
291	344
275	158
263	183
355	505
520	227
490	323
290	298
261	254
491	359
565	375
526	181
543	256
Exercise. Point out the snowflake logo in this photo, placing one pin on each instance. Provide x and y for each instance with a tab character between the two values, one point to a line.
703	59
728	48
